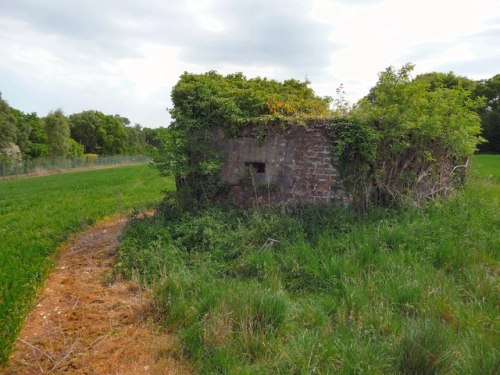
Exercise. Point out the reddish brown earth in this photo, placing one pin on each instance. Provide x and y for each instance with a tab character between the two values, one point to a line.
86	323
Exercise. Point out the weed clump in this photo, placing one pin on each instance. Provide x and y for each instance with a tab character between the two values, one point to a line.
425	349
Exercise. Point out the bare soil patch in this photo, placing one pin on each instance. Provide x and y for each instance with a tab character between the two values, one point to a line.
85	323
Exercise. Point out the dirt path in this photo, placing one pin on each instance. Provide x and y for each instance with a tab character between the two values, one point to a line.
85	324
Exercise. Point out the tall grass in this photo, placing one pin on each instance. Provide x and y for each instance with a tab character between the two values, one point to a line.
37	214
322	290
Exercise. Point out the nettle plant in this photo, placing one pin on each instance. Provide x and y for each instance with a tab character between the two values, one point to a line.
208	103
409	140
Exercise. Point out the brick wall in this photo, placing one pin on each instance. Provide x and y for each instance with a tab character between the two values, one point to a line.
299	166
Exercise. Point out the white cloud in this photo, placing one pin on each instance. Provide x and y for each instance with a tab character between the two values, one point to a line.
432	34
123	56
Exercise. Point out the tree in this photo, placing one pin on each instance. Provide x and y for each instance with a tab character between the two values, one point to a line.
151	137
99	133
125	121
490	114
8	131
84	127
11	152
75	149
58	134
31	136
38	146
136	140
112	135
439	80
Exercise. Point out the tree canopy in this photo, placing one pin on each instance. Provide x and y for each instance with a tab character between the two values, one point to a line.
490	114
99	133
31	135
57	128
439	80
8	131
90	131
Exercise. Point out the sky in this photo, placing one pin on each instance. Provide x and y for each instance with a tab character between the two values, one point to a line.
124	56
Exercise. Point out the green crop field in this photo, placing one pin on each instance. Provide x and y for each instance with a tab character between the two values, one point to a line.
487	166
323	290
37	214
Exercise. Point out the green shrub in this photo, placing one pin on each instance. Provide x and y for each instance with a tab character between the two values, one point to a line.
425	348
208	103
408	140
75	149
90	159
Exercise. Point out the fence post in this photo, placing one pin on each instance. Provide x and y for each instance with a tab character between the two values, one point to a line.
4	169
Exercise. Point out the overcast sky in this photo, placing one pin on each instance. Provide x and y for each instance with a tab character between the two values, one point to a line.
124	56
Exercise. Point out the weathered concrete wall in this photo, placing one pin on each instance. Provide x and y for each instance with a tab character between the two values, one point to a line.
298	166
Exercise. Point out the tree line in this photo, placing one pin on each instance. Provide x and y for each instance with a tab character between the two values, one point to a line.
26	136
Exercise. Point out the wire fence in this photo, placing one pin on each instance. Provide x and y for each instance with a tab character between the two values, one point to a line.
40	167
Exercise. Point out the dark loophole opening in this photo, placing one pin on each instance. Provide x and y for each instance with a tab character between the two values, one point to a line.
257	167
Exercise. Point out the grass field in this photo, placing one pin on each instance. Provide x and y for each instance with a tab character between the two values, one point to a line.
326	291
37	214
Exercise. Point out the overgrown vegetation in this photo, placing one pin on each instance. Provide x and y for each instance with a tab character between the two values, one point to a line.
323	290
57	129
38	214
207	103
408	140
